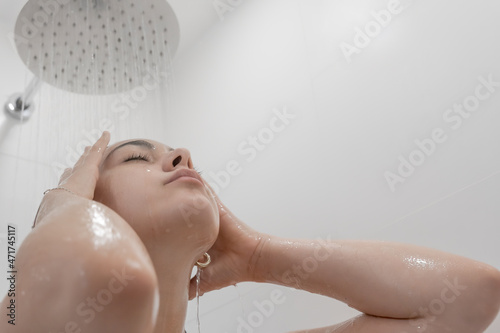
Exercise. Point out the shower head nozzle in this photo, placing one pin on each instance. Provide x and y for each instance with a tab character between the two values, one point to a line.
96	47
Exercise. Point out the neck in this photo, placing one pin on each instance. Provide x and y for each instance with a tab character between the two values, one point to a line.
173	283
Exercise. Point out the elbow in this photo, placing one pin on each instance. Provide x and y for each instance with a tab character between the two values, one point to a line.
482	303
491	292
495	288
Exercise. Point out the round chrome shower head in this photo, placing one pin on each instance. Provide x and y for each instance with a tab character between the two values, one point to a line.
96	46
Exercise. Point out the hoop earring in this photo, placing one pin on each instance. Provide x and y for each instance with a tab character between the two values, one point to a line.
207	261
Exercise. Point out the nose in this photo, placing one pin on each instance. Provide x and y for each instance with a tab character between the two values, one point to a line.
178	158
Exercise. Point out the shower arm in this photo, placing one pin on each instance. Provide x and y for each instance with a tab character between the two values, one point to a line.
20	105
31	90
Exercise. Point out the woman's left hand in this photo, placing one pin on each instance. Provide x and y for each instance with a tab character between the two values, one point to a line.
234	254
82	178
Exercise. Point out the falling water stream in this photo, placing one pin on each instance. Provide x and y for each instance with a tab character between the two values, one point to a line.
198	280
106	61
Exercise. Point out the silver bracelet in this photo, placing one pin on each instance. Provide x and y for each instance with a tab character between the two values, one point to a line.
59	188
52	189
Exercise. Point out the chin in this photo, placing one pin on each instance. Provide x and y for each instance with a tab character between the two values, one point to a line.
194	216
184	218
201	218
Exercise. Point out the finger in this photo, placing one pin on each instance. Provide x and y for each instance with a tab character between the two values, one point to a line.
93	155
82	157
192	288
205	279
204	287
103	142
67	172
100	146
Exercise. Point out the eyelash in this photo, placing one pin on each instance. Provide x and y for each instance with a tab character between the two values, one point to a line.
199	172
137	157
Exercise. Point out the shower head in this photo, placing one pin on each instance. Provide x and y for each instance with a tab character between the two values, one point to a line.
96	46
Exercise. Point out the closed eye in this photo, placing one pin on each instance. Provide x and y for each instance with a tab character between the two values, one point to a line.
137	157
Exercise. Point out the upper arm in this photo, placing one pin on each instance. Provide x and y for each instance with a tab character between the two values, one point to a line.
68	284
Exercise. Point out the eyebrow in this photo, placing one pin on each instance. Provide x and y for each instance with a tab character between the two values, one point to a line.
140	143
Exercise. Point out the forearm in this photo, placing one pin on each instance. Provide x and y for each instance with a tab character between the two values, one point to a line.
378	278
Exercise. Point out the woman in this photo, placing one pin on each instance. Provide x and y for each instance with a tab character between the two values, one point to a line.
115	244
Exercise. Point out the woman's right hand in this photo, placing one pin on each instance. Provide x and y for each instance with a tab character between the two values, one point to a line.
235	254
82	178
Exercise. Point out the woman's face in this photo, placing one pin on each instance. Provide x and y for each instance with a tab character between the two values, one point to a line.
156	190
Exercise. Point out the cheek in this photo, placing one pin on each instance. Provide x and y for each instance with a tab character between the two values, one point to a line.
125	194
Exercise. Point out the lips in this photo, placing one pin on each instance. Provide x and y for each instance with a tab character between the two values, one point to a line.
184	173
